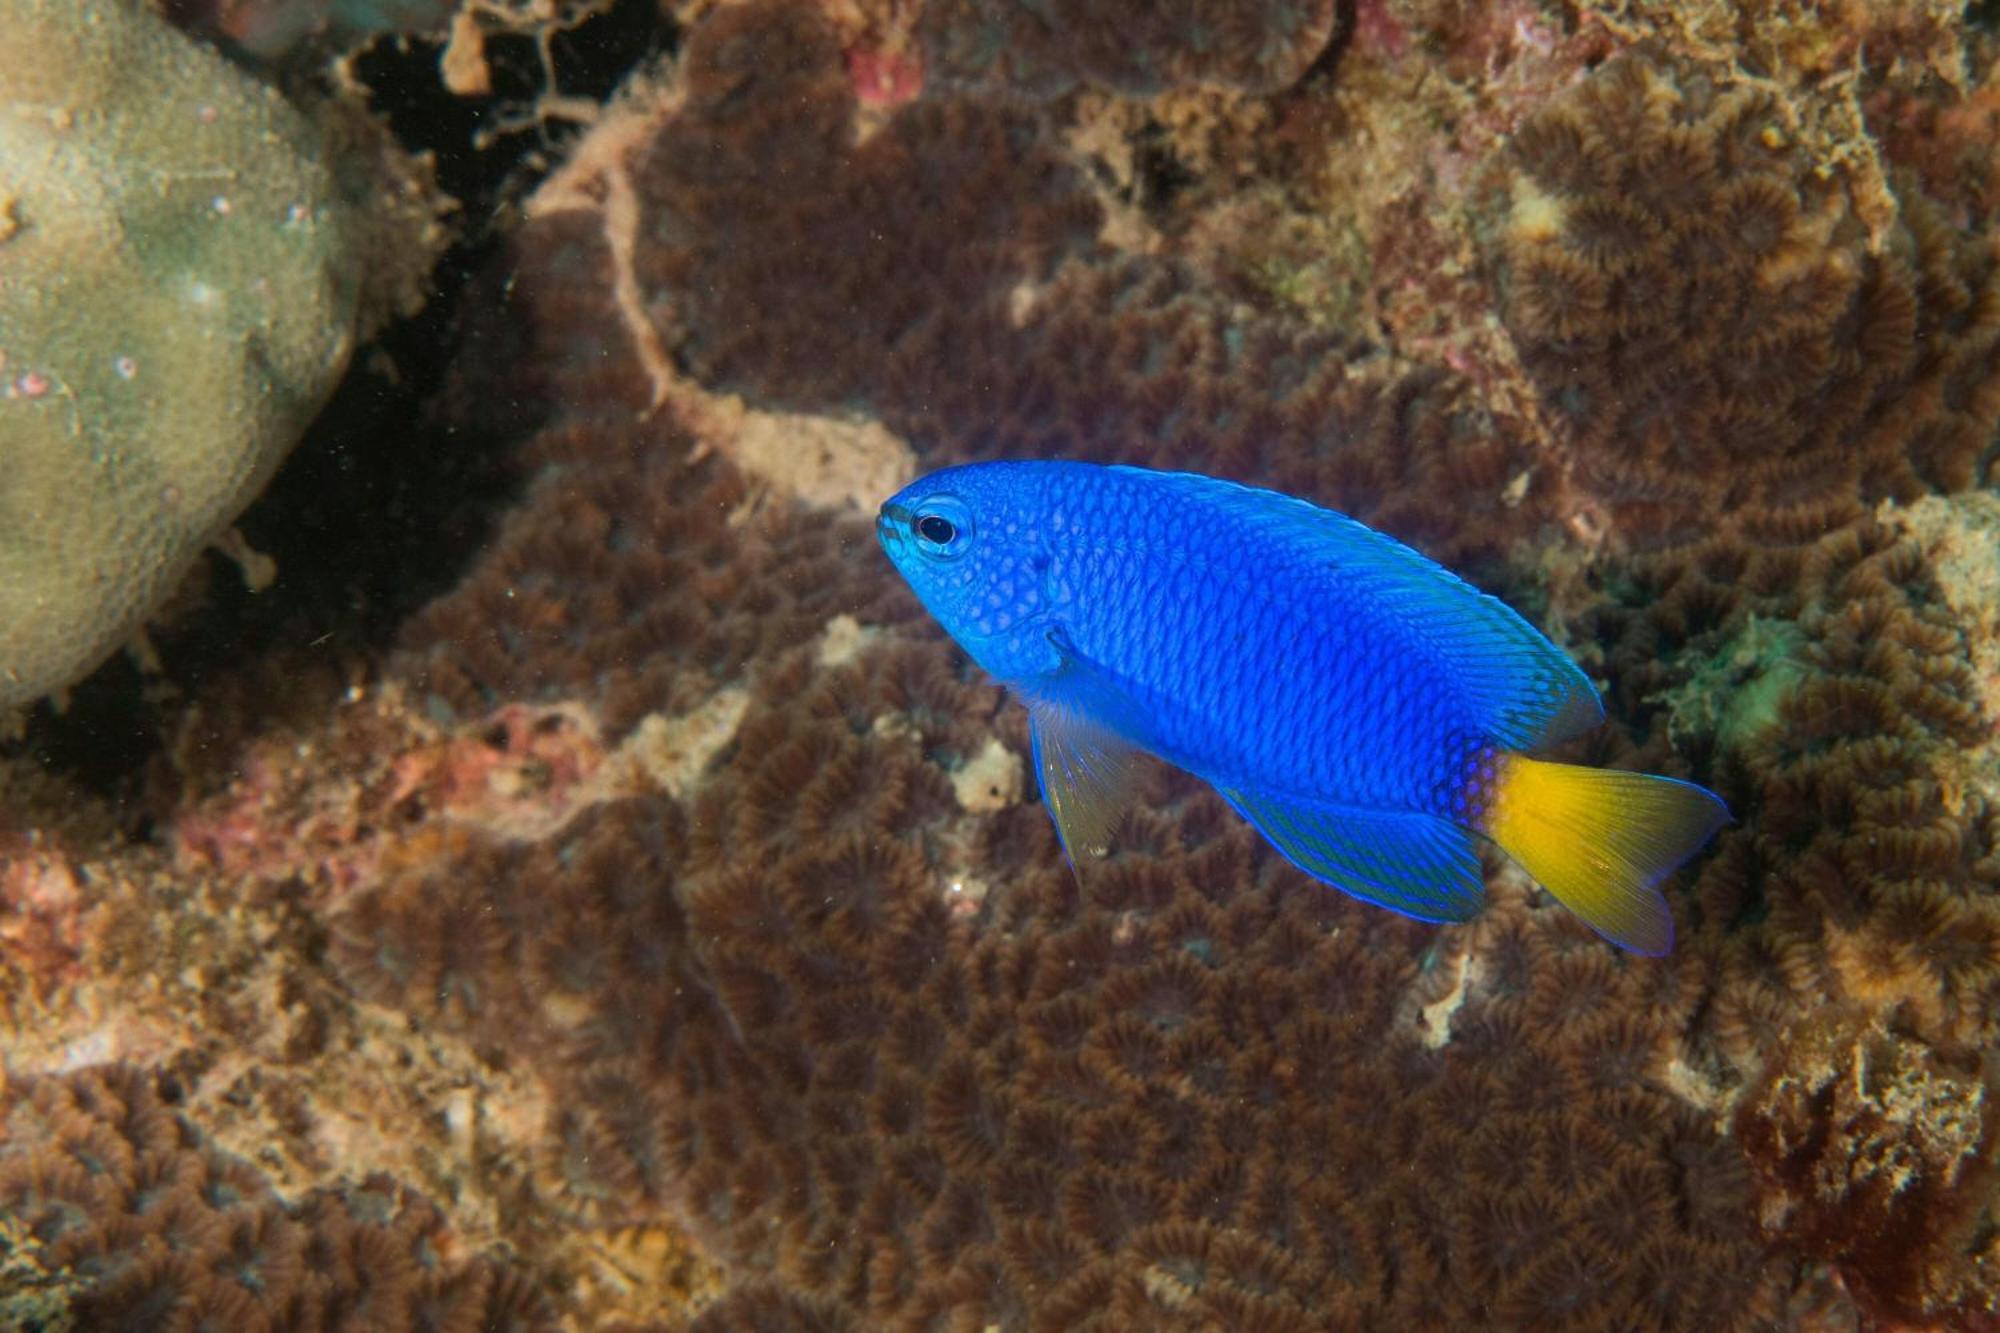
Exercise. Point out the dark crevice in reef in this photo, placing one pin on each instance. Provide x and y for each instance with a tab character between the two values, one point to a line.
479	162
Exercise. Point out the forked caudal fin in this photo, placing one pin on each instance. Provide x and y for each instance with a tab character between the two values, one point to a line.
1601	840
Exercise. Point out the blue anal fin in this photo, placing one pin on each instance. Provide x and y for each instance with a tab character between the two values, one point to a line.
1410	862
1087	774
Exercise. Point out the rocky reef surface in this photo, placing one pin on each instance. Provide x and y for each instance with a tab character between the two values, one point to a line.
585	891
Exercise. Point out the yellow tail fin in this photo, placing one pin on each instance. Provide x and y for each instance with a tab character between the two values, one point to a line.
1601	840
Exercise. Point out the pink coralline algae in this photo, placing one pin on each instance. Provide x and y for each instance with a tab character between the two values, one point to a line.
883	78
42	910
520	767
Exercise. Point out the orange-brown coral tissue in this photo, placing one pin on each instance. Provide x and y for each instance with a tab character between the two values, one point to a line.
1875	1153
817	997
166	1231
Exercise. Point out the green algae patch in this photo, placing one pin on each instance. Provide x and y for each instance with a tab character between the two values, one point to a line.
176	300
1734	693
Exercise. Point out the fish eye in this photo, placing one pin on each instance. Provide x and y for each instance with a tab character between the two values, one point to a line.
942	525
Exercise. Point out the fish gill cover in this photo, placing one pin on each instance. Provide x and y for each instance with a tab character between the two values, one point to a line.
661	903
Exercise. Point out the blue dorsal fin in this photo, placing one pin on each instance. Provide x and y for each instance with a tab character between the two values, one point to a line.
1519	689
1416	864
1085	729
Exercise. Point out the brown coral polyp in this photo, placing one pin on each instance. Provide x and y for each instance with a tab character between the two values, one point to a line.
1163	1096
1746	316
1041	51
172	1233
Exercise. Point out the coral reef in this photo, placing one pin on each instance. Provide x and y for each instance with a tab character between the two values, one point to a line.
1043	50
178	291
975	306
1861	880
1159	1101
1151	1105
1750	408
1877	1154
1880	701
162	1230
1783	626
1720	317
679	858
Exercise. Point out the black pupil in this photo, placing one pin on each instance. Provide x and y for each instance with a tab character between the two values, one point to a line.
937	531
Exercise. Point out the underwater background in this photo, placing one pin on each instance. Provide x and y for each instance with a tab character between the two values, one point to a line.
582	889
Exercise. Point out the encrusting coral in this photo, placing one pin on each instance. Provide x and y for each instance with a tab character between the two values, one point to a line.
1159	1100
877	1045
1872	873
976	310
1750	385
1043	50
1862	877
159	1230
1719	318
1877	1154
1150	1104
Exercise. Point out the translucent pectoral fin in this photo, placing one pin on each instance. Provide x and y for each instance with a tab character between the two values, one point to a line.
1087	774
1412	863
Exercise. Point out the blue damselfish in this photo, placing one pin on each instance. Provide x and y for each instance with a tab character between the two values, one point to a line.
1365	708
